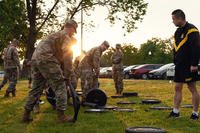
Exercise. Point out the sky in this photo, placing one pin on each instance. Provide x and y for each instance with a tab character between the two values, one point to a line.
156	23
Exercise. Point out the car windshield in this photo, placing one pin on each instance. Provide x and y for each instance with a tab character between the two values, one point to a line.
129	67
139	66
166	66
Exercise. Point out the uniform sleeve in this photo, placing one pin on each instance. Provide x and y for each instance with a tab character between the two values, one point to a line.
16	57
96	61
194	48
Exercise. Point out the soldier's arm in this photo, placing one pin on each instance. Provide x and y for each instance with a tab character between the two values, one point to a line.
194	39
96	62
15	57
117	58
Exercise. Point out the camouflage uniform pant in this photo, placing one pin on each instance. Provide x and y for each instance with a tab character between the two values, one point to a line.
50	73
11	75
88	81
74	80
118	79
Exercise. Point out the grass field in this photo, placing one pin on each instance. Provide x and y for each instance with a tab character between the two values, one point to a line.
111	122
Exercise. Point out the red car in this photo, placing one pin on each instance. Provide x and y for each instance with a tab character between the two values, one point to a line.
143	70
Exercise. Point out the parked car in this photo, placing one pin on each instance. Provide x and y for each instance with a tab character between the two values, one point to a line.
1	74
160	73
171	72
127	71
143	70
105	72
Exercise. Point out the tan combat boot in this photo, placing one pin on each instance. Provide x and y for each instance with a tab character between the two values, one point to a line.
62	118
27	116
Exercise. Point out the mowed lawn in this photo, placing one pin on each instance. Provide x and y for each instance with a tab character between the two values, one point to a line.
11	110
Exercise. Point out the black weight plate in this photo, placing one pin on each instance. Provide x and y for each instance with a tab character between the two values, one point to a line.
151	101
126	102
130	94
117	96
144	130
95	111
124	110
109	107
161	108
96	96
187	106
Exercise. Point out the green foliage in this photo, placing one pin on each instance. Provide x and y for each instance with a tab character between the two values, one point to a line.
155	51
127	12
33	18
12	23
130	55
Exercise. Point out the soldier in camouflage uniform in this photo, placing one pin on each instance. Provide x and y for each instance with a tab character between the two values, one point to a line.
51	65
11	67
117	68
90	67
76	71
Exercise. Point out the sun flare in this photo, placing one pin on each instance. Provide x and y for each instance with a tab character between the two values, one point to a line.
76	50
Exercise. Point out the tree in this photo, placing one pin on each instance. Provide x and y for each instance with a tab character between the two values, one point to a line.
127	10
12	23
130	56
156	50
39	16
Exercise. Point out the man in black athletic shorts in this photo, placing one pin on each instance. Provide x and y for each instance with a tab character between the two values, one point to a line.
186	58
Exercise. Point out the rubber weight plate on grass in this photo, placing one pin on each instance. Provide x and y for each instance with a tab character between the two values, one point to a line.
96	96
124	110
145	130
130	94
151	101
95	111
117	96
109	107
126	102
187	106
161	108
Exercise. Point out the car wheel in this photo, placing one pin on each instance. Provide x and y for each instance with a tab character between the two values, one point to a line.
126	76
144	76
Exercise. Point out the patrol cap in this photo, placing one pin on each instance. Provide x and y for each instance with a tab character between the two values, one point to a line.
106	44
118	45
72	23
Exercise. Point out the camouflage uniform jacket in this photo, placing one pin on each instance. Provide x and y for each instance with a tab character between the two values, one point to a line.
55	48
11	58
117	60
92	60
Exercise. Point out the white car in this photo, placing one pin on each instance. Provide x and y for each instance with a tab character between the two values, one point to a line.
160	73
1	74
171	72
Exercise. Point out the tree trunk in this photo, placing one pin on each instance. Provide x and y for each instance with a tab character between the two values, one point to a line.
32	35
